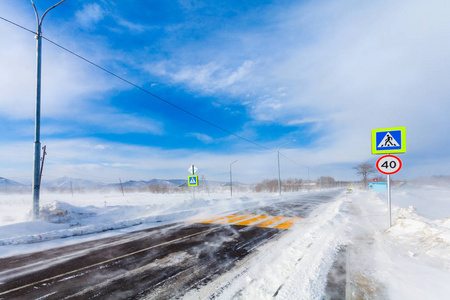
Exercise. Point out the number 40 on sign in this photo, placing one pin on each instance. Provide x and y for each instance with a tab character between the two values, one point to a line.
389	164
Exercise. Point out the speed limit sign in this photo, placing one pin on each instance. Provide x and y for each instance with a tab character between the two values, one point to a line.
389	164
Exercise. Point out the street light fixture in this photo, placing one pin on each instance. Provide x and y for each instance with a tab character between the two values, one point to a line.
231	179
37	136
278	155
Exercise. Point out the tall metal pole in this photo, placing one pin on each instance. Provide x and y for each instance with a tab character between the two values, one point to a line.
231	179
278	156
121	186
279	177
37	133
308	179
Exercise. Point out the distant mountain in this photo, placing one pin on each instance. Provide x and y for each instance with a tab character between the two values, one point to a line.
66	182
11	186
144	183
168	182
10	183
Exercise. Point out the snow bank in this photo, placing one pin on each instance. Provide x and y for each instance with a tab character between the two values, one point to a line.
429	238
431	202
410	260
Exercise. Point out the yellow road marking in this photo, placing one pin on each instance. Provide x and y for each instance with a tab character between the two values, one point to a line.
270	222
257	221
288	223
251	220
219	219
200	220
237	218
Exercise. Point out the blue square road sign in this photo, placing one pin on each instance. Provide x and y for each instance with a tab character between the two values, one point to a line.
193	180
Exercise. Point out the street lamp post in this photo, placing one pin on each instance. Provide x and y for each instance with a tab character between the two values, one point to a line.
37	135
278	156
308	179
231	179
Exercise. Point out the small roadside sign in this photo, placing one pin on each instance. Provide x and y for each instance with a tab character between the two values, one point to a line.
192	169
193	180
389	140
389	164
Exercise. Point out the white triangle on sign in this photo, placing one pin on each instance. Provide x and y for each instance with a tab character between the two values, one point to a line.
388	141
192	180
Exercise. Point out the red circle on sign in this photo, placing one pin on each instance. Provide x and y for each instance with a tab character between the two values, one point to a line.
386	162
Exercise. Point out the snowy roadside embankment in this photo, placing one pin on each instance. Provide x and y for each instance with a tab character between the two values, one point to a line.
410	260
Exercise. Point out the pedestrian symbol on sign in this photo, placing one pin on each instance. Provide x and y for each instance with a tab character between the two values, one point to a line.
388	141
193	180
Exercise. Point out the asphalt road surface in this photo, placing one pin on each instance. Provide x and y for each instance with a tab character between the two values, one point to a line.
158	263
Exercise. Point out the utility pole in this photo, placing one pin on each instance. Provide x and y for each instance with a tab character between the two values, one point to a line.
121	187
37	134
278	156
231	179
308	179
279	177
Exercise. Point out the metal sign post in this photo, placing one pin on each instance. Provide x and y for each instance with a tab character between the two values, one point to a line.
389	199
389	164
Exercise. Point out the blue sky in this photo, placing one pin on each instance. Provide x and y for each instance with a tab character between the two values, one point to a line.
321	72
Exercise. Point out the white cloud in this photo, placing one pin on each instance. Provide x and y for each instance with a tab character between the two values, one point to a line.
101	147
304	121
207	78
202	137
133	27
90	15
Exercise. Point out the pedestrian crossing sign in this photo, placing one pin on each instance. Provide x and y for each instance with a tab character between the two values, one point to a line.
388	140
193	180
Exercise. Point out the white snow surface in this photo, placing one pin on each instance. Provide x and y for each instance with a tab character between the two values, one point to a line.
409	260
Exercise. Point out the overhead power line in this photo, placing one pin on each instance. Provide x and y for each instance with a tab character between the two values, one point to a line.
20	26
141	88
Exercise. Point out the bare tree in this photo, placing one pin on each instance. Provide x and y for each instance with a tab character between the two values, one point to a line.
364	170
